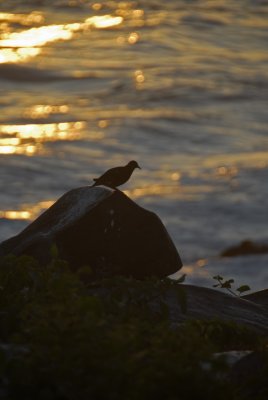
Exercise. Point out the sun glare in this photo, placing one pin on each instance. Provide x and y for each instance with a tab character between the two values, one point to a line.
38	36
22	45
34	17
27	139
104	21
15	214
29	211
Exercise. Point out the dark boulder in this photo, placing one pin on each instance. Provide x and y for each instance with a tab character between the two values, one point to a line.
102	228
244	248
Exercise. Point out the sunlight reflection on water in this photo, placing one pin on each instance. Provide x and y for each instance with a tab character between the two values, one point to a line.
179	86
28	212
179	192
20	46
37	134
32	18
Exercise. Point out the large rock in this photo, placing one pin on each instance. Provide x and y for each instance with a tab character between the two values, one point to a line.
260	297
102	228
204	304
185	302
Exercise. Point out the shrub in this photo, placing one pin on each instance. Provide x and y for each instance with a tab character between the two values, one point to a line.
64	339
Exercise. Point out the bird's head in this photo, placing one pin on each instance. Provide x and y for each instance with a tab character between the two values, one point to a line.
133	164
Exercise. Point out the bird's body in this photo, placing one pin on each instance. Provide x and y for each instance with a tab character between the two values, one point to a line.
116	176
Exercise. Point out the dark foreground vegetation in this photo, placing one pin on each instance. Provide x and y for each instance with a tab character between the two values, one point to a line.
64	339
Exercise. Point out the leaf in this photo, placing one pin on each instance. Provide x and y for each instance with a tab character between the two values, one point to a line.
218	278
227	284
243	288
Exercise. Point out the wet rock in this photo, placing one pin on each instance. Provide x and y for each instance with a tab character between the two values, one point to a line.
260	297
188	302
204	303
102	228
244	248
249	376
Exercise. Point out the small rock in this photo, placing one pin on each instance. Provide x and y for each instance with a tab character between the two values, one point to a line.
244	248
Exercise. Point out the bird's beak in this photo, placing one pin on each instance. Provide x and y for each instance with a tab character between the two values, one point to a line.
138	166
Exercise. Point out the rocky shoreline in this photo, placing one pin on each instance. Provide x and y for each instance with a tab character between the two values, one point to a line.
105	230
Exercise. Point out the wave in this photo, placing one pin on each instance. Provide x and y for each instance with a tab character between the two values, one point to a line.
18	73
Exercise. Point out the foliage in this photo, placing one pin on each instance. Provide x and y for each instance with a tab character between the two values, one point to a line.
227	284
64	339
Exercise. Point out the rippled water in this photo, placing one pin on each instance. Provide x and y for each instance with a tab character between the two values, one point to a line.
180	86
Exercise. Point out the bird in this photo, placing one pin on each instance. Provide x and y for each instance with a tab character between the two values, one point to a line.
116	176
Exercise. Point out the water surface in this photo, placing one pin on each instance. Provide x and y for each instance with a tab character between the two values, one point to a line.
181	87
